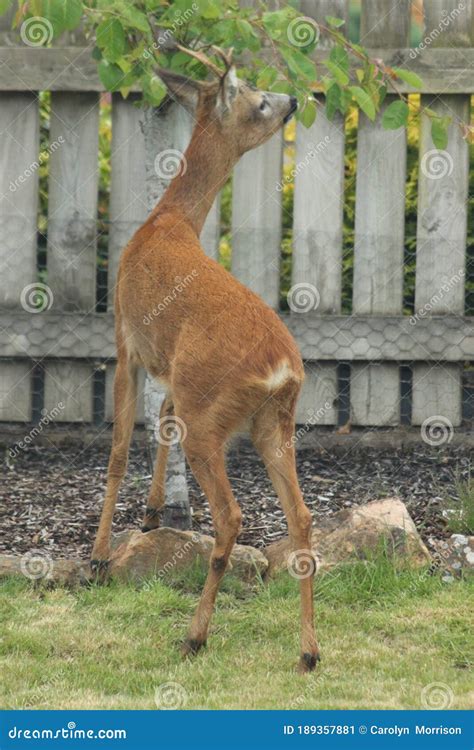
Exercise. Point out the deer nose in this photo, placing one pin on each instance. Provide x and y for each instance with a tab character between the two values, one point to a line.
293	108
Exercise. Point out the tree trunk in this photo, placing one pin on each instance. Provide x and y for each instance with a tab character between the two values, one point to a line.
165	130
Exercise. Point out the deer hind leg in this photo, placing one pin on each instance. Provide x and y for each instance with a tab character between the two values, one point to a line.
272	434
125	397
156	496
207	462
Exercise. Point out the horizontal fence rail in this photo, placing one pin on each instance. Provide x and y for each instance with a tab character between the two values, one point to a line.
58	359
443	71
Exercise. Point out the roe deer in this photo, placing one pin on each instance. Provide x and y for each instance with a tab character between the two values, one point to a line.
226	359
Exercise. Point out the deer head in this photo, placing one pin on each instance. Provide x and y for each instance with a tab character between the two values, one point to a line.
228	107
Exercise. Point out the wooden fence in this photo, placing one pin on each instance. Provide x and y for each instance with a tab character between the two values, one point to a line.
59	362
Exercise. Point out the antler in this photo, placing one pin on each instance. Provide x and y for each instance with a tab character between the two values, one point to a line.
202	59
226	57
168	42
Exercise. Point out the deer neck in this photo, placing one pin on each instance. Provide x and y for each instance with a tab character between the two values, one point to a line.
207	162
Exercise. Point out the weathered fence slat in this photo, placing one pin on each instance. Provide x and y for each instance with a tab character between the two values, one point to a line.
127	209
211	231
19	164
442	223
317	229
379	227
72	235
256	219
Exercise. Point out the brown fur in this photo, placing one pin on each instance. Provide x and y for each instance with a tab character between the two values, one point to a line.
215	344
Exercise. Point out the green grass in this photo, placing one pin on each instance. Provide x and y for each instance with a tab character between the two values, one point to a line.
385	635
460	509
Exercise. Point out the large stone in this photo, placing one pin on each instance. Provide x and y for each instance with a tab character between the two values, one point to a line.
136	556
39	567
356	532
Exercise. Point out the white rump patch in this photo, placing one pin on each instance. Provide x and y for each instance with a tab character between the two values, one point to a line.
279	376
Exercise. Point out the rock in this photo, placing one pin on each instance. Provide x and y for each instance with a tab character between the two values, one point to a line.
136	556
39	566
350	533
454	556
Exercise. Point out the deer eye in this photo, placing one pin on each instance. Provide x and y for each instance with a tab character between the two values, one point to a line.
263	105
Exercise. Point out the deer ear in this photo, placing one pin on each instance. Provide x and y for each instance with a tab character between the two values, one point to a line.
183	90
227	91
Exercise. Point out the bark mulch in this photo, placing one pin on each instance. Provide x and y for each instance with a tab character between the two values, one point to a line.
50	498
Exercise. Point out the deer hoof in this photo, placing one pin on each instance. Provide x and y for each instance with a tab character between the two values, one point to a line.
100	568
191	646
308	662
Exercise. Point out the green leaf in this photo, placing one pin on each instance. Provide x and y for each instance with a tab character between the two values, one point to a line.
5	5
134	18
336	23
346	99
62	14
111	76
308	114
111	39
333	100
300	65
364	101
266	78
340	76
396	115
409	77
246	30
275	23
439	133
154	90
281	87
209	9
339	57
96	54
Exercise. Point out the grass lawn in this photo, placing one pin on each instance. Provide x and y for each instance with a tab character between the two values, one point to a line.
385	637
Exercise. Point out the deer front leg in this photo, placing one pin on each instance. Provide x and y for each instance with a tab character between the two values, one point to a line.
156	496
125	396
